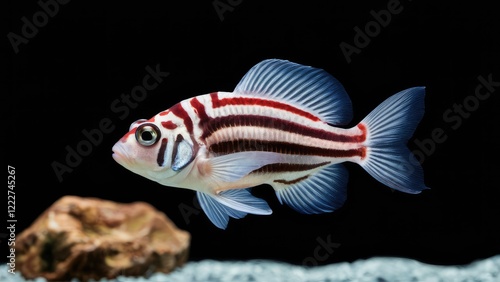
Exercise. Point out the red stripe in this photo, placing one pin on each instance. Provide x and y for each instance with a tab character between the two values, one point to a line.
287	167
161	153
275	123
179	111
199	109
164	113
242	101
169	124
228	147
290	182
125	137
362	127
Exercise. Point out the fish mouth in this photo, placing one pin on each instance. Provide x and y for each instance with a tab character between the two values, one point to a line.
118	154
117	157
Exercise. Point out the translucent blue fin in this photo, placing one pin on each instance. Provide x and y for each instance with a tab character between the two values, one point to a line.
232	167
389	127
306	87
323	191
231	203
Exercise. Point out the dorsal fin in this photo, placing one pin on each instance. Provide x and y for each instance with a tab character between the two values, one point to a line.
306	87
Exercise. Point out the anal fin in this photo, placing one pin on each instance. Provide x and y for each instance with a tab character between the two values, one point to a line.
320	192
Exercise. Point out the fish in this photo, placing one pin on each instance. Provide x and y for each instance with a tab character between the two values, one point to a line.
285	125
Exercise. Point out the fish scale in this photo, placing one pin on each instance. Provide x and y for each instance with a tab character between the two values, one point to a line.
242	124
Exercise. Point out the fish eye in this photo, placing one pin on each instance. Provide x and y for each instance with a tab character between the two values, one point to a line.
147	134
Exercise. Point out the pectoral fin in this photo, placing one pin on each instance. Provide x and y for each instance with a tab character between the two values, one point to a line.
232	167
231	203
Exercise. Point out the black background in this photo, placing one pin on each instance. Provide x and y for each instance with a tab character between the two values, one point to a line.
66	77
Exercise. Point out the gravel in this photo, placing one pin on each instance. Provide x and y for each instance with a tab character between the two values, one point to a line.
374	269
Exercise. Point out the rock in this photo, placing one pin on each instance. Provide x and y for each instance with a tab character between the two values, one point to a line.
89	238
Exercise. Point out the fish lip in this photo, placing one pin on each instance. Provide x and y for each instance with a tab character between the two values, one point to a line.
117	157
118	154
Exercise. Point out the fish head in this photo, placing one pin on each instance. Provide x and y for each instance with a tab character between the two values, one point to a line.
155	150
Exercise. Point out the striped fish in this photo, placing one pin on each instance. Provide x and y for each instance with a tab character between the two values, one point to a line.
282	126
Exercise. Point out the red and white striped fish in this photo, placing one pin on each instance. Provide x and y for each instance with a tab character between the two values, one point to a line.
278	127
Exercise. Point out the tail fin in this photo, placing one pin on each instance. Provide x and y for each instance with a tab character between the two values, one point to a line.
389	126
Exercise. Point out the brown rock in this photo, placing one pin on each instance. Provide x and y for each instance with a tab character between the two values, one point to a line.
88	238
